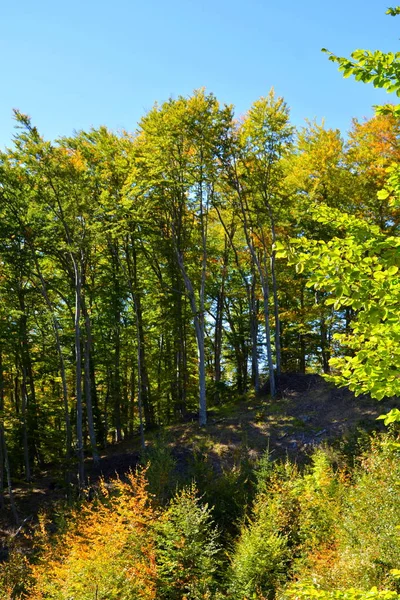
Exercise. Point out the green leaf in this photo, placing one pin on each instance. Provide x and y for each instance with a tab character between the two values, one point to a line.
383	194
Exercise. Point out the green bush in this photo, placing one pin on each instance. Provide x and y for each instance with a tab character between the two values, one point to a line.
187	549
368	535
319	495
261	556
307	591
15	576
160	470
349	532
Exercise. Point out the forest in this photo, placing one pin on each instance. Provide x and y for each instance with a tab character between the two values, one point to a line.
168	277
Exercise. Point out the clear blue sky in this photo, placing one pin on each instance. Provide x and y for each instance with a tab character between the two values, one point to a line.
76	64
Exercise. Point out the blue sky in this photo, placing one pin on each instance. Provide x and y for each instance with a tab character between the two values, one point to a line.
76	64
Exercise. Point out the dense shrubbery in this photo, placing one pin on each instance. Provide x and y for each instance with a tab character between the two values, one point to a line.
320	532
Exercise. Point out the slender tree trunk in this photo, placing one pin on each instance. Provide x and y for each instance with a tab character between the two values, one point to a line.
218	335
116	371
25	440
171	366
263	275
265	289
326	355
131	411
78	358
67	421
8	472
254	335
141	376
198	318
179	389
199	324
276	310
251	300
146	404
198	309
1	432
16	393
302	342
117	396
324	341
88	382
219	321
159	374
140	387
30	406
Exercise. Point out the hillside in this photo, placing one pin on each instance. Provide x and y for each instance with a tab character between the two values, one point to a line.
307	412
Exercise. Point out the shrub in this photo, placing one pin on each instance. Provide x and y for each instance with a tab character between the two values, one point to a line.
368	531
15	576
187	549
307	591
160	470
262	553
106	552
349	531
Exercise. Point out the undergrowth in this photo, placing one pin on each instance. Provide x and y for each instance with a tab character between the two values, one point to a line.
265	530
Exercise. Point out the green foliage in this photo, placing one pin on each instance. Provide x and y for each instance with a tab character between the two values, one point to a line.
187	549
160	469
359	265
15	575
308	591
259	561
154	256
319	530
228	490
261	555
360	270
369	527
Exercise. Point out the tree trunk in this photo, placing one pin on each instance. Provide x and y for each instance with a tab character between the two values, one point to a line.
276	310
263	275
1	432
67	421
88	382
252	303
219	321
255	376
159	376
198	318
325	350
265	289
78	381
25	441
131	411
146	405
8	472
30	418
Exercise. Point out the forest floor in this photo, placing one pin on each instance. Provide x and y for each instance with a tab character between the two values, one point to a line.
306	412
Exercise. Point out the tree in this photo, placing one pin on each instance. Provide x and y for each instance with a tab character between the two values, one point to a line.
360	264
176	165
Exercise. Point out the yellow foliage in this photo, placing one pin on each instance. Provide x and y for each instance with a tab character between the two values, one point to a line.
106	552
